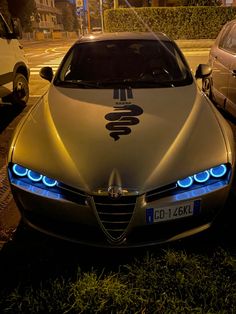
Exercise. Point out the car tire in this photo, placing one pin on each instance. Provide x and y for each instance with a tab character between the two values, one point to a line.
20	94
207	87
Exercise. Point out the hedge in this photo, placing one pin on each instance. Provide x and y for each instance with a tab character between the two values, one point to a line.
177	22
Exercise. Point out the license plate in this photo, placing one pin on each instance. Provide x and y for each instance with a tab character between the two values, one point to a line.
187	209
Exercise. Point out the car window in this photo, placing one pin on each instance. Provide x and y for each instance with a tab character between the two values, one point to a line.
137	63
228	40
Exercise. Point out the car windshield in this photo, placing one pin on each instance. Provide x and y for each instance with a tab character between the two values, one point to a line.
114	63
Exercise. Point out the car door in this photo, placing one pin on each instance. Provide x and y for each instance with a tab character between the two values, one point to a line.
220	61
231	95
7	56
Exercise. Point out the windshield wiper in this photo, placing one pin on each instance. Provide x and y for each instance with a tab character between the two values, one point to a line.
133	82
157	83
127	82
78	83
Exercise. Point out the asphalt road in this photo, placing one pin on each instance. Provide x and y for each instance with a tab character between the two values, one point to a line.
41	54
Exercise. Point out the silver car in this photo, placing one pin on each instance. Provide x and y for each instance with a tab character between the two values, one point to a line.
123	150
221	85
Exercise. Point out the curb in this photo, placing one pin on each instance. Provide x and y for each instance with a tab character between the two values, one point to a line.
195	43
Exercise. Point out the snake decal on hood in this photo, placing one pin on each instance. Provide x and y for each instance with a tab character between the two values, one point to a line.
124	115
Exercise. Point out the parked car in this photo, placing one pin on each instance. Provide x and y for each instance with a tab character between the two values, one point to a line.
124	150
221	85
14	70
96	30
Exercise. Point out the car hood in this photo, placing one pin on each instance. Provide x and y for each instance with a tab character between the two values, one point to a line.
148	137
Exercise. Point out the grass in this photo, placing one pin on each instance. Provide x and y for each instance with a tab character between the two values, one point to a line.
168	281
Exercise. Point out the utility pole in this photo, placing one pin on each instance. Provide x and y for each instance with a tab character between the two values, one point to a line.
101	14
116	4
88	15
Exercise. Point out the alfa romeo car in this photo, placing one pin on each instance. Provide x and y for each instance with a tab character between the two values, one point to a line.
124	150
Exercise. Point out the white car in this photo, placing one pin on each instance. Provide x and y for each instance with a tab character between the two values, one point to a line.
123	150
14	69
220	86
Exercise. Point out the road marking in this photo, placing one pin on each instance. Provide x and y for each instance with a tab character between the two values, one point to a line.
41	66
54	63
34	73
36	55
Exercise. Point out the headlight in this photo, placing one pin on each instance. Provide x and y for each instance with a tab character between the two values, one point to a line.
19	170
219	171
39	184
33	176
202	176
208	176
185	183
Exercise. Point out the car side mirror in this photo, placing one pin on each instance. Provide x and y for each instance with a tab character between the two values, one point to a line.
203	70
46	73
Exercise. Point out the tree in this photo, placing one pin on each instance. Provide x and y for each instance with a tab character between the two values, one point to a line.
200	2
94	7
4	10
68	19
24	10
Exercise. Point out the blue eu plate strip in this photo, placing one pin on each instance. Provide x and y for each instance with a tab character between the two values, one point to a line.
196	207
149	215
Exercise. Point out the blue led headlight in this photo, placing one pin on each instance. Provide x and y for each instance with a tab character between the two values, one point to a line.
19	170
49	182
218	171
185	183
35	177
202	177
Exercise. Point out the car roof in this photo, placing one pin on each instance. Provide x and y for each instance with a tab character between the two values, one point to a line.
124	36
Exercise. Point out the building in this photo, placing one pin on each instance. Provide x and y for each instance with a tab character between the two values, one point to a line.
229	2
47	17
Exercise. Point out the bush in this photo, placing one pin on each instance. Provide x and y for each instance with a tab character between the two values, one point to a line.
176	22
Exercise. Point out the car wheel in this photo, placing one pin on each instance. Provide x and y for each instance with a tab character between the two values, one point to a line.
20	94
206	87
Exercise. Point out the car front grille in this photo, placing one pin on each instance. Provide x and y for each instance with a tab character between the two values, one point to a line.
156	194
115	215
73	194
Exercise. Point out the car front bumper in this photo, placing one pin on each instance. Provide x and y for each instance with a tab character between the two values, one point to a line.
80	220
